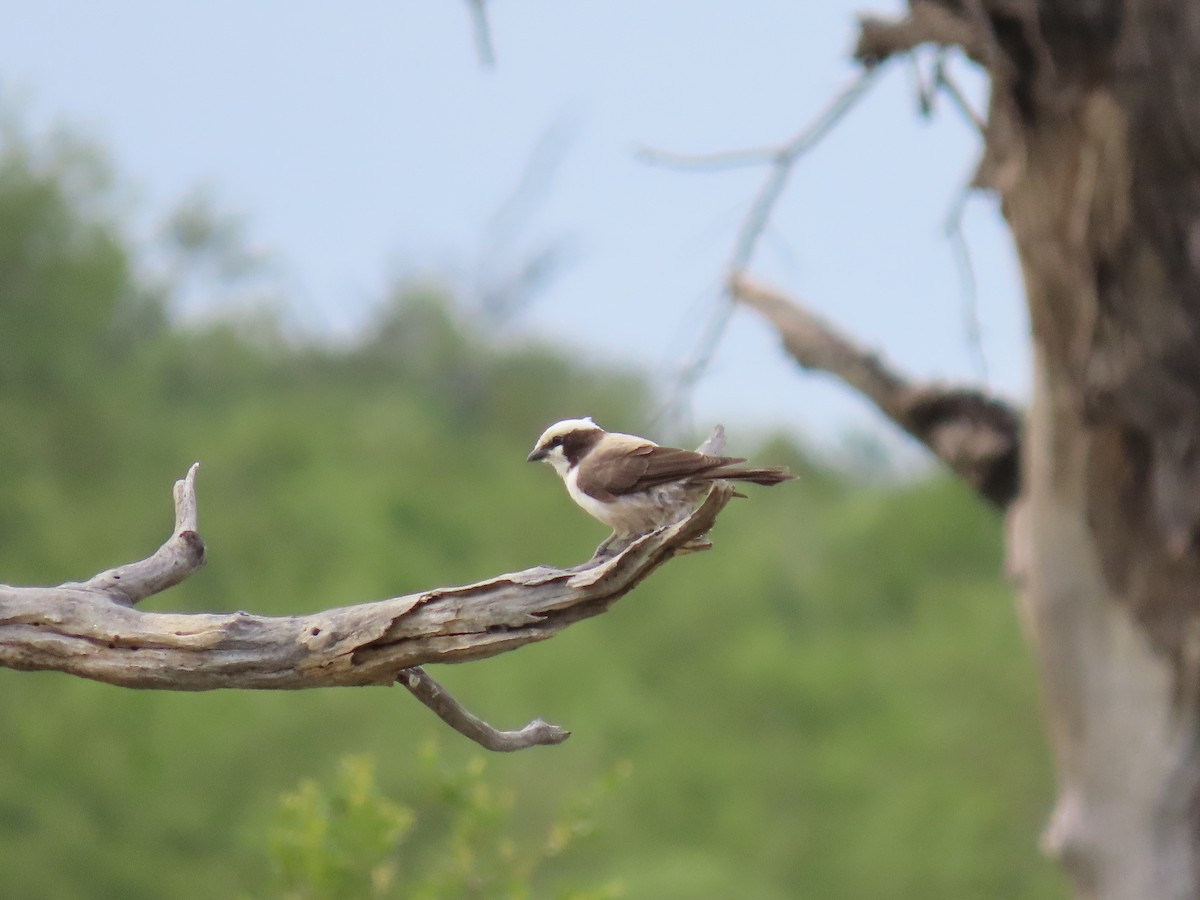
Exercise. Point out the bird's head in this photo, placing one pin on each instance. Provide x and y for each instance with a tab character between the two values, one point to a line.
564	443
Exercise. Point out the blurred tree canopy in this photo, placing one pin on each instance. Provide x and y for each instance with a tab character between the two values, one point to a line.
871	732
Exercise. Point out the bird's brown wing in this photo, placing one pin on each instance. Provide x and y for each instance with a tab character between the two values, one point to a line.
608	474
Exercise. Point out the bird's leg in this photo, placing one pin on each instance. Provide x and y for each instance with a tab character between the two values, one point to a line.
602	551
617	543
613	544
606	546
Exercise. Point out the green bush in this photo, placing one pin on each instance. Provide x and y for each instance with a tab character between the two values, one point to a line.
350	840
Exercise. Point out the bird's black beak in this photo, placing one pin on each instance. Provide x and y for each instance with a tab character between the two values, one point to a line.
538	453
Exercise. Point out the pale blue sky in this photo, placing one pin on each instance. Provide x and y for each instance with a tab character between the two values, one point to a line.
364	140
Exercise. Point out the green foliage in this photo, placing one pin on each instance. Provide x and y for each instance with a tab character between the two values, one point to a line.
351	840
339	842
833	703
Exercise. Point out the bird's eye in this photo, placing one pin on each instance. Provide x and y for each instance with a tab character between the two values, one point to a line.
557	442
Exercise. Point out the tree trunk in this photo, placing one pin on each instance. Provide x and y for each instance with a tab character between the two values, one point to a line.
1093	144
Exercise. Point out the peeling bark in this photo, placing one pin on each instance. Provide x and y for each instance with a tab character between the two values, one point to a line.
1093	146
1124	740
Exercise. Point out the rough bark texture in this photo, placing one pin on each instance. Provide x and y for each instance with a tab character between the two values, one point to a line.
1093	146
91	629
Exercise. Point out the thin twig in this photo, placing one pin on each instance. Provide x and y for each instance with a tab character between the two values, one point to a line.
503	290
926	90
943	80
966	273
534	183
879	39
436	697
722	159
782	160
483	32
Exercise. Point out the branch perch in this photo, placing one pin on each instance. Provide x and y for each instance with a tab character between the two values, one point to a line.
91	629
975	435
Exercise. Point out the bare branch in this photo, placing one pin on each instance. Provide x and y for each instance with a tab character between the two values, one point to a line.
928	22
483	32
782	160
975	435
90	630
789	153
722	159
966	274
454	714
943	80
502	289
926	91
179	557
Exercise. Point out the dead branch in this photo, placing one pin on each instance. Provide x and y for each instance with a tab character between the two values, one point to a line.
943	81
483	32
174	561
722	159
927	22
966	274
977	436
781	159
92	630
454	714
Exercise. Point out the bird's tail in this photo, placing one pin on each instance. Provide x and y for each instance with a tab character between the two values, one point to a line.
764	475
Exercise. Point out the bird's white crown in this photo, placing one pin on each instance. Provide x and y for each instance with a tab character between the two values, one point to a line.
566	426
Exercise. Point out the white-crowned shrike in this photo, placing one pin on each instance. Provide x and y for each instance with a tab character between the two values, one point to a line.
633	485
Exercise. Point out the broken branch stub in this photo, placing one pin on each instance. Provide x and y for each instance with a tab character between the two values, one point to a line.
977	436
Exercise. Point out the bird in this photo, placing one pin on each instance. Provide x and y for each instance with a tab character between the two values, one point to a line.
633	485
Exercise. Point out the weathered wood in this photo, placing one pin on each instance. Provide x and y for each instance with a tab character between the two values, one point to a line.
1093	151
91	630
1092	144
977	436
424	688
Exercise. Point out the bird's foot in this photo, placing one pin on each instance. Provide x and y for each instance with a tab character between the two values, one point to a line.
613	545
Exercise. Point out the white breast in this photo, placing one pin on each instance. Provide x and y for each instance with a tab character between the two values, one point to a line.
589	504
634	513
